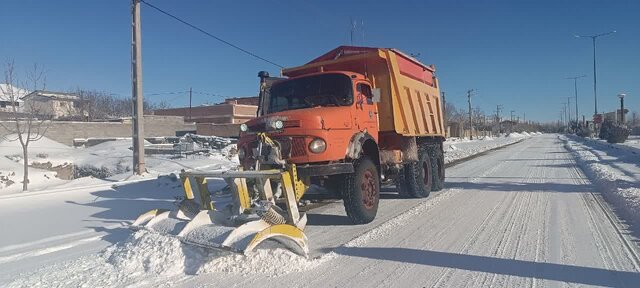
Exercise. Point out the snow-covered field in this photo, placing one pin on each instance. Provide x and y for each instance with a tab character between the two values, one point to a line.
520	216
614	168
457	148
111	161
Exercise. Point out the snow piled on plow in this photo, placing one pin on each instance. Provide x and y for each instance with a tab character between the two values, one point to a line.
147	258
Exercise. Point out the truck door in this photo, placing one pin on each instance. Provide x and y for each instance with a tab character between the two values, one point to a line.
366	110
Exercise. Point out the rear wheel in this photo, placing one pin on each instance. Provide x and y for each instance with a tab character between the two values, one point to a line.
362	191
419	175
437	161
401	184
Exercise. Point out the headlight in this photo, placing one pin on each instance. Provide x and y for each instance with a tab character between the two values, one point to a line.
317	146
278	124
244	127
241	153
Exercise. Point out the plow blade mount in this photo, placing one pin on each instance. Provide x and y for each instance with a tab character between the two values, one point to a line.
240	226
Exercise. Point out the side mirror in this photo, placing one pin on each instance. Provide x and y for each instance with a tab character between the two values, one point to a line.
375	92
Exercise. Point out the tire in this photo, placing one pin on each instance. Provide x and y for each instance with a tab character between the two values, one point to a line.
401	185
419	175
437	161
362	191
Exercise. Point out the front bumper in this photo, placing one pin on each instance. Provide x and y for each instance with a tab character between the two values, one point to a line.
324	169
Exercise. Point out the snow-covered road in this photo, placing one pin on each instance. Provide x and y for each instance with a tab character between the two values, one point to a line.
521	216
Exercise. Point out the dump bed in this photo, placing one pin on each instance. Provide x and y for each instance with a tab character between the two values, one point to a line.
410	101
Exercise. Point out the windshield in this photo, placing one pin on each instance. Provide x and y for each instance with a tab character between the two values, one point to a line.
306	92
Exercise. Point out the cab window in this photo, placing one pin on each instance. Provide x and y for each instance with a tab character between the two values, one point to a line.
365	89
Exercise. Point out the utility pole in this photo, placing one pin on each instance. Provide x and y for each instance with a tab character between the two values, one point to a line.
444	110
498	108
470	119
564	114
136	75
353	28
575	89
190	96
569	109
511	122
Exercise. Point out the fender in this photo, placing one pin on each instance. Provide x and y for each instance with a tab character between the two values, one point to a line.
354	150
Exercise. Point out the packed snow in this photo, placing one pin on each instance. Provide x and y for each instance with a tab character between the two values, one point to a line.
616	171
513	217
459	148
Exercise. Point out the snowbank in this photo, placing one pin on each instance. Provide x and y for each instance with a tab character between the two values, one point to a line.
613	179
456	149
147	259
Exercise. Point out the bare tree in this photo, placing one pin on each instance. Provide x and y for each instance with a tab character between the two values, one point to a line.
29	125
97	105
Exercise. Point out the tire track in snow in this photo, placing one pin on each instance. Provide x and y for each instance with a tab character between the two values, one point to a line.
479	230
592	206
596	204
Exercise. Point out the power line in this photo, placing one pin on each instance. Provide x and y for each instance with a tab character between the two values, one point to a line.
166	93
211	35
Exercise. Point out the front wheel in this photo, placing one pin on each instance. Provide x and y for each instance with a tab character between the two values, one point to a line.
361	191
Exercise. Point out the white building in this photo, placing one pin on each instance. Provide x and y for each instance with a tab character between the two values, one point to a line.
10	96
52	104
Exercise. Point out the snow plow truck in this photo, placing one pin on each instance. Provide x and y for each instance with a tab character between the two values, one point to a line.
337	127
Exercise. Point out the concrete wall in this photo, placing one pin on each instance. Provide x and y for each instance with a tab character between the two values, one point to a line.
154	126
221	130
225	113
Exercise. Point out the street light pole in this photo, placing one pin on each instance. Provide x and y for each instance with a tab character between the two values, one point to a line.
595	83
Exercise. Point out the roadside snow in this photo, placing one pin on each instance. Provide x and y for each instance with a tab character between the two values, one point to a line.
148	258
110	161
456	148
615	171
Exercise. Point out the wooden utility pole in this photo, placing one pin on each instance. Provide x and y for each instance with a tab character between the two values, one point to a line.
470	119
136	75
190	92
444	110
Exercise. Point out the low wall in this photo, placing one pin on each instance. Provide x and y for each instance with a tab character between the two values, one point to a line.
154	126
220	130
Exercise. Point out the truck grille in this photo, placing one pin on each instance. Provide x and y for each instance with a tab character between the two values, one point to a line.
289	146
298	147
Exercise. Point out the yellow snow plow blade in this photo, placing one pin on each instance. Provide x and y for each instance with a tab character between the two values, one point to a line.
256	212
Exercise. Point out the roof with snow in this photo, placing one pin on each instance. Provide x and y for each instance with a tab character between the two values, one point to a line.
7	90
52	95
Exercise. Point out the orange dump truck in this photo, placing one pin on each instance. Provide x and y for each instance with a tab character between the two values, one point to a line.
351	120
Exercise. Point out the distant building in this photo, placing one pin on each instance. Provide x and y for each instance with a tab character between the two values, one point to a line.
7	92
232	111
52	104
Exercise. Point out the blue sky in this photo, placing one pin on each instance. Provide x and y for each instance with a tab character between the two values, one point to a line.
515	53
